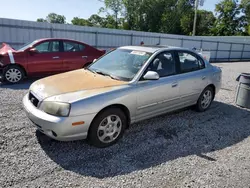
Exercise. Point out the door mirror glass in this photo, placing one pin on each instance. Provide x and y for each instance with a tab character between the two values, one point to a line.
151	75
33	50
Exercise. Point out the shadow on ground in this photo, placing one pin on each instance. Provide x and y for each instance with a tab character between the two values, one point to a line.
154	142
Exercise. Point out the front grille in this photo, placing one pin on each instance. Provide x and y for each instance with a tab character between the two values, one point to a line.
33	99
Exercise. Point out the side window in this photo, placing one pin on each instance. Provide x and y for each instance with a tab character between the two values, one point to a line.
163	64
55	46
47	47
43	47
72	46
189	62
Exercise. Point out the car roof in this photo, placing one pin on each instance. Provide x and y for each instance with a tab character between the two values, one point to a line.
151	49
46	39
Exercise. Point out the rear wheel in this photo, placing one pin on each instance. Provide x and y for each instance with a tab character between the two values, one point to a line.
205	100
13	74
107	128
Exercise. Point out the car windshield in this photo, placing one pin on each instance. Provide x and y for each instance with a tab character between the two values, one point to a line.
120	64
27	45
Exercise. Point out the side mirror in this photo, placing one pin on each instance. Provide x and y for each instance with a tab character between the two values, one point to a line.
151	75
33	51
94	60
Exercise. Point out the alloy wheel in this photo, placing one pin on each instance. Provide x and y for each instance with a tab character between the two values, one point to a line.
109	129
206	99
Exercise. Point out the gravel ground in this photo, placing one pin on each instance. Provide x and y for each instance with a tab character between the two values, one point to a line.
184	149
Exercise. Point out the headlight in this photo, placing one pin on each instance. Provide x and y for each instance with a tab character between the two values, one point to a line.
55	108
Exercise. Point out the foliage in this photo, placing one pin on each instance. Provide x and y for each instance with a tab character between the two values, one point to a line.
205	22
41	20
167	16
245	6
53	18
116	6
229	20
81	21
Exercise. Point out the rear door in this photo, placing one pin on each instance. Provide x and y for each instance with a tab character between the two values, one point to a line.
75	55
192	76
47	59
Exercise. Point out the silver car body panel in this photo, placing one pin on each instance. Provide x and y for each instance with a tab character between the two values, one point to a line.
143	99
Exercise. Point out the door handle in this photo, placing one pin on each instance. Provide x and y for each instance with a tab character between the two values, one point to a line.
175	84
203	77
56	57
84	57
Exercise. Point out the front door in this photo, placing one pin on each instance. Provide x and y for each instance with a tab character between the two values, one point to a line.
47	58
158	96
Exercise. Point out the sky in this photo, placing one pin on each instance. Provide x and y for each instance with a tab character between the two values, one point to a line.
33	9
209	5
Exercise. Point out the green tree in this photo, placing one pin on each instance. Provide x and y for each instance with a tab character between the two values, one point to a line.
158	15
97	20
205	22
131	13
245	5
56	18
115	6
53	18
81	21
146	15
41	20
229	19
111	22
177	17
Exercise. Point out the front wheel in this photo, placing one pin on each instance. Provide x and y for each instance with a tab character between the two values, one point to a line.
205	99
13	74
107	128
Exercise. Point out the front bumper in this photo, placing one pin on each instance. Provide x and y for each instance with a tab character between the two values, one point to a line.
58	128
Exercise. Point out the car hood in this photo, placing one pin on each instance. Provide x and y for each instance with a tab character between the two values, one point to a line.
78	80
5	48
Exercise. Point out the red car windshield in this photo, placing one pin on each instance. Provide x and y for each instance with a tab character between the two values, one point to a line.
27	45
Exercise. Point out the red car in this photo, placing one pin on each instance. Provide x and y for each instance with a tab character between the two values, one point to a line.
45	57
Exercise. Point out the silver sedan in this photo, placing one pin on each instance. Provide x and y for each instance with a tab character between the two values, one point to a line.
127	85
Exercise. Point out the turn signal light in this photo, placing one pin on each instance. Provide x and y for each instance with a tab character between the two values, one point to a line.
78	123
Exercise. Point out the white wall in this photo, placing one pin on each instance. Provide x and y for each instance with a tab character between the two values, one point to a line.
18	32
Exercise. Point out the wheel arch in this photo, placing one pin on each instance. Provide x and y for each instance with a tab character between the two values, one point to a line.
124	109
18	65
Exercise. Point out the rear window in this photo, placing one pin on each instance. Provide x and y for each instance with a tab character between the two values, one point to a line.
190	62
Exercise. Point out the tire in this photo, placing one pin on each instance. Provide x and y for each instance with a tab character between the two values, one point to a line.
104	131
205	100
13	74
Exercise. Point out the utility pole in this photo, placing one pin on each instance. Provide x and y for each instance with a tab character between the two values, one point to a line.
195	16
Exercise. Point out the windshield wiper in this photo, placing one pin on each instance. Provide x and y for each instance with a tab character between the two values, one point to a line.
106	74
